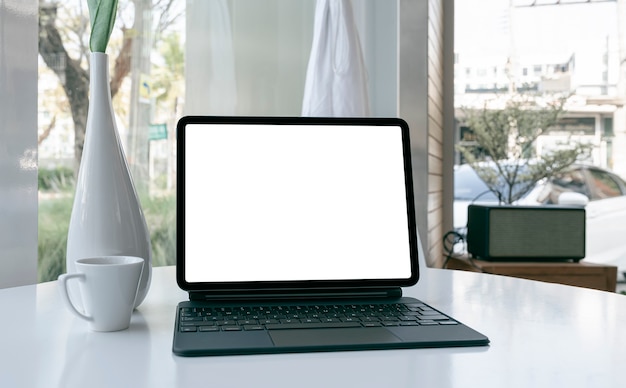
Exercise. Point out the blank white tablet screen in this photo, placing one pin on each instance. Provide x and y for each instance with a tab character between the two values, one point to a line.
294	202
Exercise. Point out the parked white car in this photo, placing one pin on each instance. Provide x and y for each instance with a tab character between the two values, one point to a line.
602	192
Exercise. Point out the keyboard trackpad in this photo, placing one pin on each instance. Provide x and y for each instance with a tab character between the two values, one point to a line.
330	337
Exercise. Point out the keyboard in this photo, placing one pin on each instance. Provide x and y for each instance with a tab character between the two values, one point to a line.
248	318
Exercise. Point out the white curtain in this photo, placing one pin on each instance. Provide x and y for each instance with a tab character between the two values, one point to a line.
210	82
222	85
336	80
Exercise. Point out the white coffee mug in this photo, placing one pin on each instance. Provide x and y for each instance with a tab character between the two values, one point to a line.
108	287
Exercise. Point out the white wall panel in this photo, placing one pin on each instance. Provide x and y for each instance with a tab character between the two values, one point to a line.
18	142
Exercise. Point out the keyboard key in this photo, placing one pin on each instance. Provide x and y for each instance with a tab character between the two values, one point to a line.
191	319
253	327
437	318
244	322
208	328
321	325
231	328
431	312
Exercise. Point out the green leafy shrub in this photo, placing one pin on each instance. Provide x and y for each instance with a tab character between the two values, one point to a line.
54	219
160	213
59	179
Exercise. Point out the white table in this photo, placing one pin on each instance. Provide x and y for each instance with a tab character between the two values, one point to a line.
542	335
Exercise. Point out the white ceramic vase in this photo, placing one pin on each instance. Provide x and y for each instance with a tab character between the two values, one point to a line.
107	218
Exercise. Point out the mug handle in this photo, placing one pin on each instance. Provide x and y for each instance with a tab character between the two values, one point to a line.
65	294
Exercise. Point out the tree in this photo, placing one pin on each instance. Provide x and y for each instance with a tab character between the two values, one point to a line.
69	60
74	77
503	152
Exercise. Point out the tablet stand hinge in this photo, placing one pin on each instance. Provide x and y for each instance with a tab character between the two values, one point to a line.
296	294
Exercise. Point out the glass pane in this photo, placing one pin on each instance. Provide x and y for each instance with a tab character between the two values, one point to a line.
603	185
545	51
251	57
569	181
219	57
146	59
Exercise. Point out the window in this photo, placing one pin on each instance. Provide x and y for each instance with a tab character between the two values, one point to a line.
565	48
395	79
146	72
549	49
217	57
569	181
603	185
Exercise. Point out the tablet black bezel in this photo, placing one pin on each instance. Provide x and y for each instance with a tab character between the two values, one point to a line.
293	286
